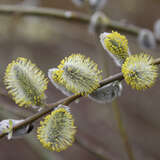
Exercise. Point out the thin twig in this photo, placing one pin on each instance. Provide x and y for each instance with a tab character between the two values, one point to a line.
66	15
87	148
122	130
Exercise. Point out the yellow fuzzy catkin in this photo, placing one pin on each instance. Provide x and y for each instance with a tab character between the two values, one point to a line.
116	45
78	74
25	82
139	72
57	131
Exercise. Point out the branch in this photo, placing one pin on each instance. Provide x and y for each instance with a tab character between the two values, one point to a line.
66	15
46	12
66	101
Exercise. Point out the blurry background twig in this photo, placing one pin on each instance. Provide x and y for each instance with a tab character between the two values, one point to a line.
65	14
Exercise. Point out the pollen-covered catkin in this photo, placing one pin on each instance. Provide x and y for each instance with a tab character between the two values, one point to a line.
116	45
78	74
57	131
25	82
139	72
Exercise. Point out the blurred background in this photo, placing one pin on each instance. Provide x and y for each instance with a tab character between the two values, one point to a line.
45	41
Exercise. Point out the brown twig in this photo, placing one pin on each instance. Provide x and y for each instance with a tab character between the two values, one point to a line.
66	15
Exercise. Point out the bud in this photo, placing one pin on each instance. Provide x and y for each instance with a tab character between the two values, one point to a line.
77	74
139	72
57	131
6	126
25	82
107	93
116	45
146	39
157	29
98	22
